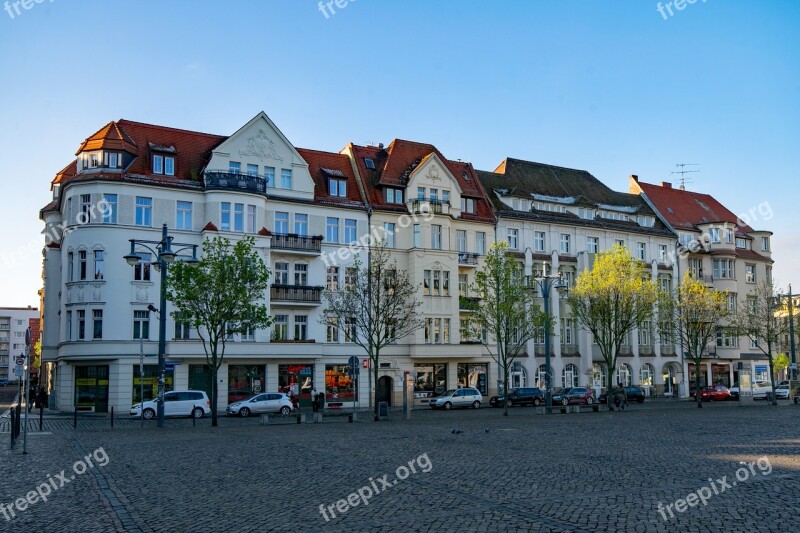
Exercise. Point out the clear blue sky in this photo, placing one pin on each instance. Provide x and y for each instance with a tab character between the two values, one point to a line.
610	87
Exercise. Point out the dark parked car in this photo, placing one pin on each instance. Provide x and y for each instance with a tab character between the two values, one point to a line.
634	394
715	393
574	395
519	396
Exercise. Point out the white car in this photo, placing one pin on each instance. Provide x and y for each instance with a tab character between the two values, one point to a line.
192	403
761	389
782	392
466	397
269	402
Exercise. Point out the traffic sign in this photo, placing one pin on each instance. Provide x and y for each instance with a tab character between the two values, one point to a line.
19	371
353	363
20	360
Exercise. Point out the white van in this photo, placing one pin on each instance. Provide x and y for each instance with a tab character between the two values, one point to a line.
192	403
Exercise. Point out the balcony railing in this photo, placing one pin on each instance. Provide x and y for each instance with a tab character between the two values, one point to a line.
296	294
297	243
436	207
465	258
468	303
223	180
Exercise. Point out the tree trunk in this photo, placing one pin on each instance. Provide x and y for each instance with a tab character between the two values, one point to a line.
375	381
505	389
214	394
697	376
772	380
609	384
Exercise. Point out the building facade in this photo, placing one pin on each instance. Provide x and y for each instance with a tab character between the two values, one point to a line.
14	321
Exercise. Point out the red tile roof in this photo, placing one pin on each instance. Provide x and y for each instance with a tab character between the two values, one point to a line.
324	165
109	137
685	209
394	164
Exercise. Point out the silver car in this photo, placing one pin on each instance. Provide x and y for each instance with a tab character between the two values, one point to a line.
268	402
466	397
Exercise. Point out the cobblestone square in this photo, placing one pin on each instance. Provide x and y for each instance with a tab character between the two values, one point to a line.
464	471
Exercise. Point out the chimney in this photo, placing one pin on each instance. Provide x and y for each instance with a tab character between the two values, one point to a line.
635	178
666	184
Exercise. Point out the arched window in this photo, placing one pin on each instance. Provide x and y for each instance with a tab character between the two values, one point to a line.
519	376
569	376
646	375
624	374
540	377
599	374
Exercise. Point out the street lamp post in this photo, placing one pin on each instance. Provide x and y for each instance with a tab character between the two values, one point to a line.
791	336
546	283
166	255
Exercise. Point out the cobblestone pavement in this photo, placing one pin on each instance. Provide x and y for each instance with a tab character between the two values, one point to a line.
604	471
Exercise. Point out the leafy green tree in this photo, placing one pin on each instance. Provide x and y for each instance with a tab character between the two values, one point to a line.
506	310
374	307
224	293
611	299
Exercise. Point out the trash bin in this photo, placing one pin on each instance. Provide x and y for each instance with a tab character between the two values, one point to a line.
383	410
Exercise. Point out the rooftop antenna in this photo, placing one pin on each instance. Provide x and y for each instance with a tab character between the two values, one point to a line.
683	171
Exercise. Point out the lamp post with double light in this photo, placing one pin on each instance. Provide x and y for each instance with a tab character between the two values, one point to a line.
546	284
166	251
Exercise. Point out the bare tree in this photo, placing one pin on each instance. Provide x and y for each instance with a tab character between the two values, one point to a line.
375	306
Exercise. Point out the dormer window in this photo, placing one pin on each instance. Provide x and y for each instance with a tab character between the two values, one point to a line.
94	161
646	221
394	196
741	243
369	163
467	205
337	187
164	164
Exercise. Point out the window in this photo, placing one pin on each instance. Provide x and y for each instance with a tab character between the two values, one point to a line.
513	238
337	188
269	176
420	193
251	219
732	302
333	279
252	170
727	338
437	331
350	230
644	334
280	328
620	242
97	324
332	330
183	328
332	232
417	236
300	327
713	234
641	249
750	273
434	197
461	240
184	215
69	325
729	235
225	216
741	243
112	159
388	229
662	253
169	166
592	245
99	256
86	207
436	236
538	241
301	274
141	270
82	265
234	167
765	244
286	178
349	329
110	209
141	325
81	324
144	211
282	273
436	283
446	197
468	205
249	334
646	221
70	266
463	285
586	213
569	376
564	243
685	239
281	223
646	375
723	268
666	283
301	224
238	217
696	268
158	164
480	242
769	274
350	275
369	163
567	331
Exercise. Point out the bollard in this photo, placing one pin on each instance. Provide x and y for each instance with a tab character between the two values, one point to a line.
75	419
41	417
11	427
194	418
112	416
17	422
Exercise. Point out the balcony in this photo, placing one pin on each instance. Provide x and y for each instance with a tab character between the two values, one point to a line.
467	259
292	295
296	243
708	280
468	303
220	180
422	207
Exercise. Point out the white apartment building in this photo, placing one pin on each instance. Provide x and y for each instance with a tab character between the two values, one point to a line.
13	323
555	219
127	181
724	252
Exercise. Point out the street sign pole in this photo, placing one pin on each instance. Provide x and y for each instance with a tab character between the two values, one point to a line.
27	390
354	368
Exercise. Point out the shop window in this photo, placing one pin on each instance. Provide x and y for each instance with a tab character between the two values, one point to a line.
148	384
245	381
474	375
431	380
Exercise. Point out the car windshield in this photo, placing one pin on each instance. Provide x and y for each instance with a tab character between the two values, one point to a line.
450	392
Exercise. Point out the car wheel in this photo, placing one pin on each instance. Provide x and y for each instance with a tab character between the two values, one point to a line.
285	410
197	412
536	402
448	406
244	412
149	414
476	404
589	400
564	401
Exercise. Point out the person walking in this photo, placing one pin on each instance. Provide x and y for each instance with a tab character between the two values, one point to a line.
314	400
620	397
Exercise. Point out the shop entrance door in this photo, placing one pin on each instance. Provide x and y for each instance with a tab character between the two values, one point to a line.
91	388
385	386
200	378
